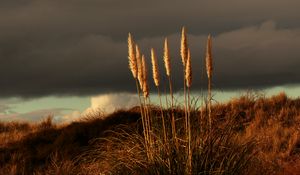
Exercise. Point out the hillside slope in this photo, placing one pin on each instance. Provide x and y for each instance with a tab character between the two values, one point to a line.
113	144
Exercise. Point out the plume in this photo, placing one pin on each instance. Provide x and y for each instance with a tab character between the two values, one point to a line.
131	56
209	66
139	66
167	58
155	70
188	70
145	86
184	46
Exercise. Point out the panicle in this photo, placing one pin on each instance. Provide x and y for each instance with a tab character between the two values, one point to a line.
208	59
184	46
131	56
155	70
167	58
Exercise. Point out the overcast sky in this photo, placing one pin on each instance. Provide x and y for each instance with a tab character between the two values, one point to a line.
79	47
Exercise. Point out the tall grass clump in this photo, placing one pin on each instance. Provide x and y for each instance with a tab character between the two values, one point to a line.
137	65
195	145
124	151
148	121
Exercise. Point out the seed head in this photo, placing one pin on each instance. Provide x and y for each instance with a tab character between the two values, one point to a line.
184	46
139	66
145	86
131	56
155	70
167	58
188	70
209	66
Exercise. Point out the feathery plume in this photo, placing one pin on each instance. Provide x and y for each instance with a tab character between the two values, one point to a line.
137	53
155	70
209	66
131	56
139	66
145	86
188	70
167	58
184	46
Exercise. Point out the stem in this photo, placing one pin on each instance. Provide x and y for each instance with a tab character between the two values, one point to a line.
162	115
189	134
209	117
166	96
201	119
172	112
148	126
163	125
209	103
150	114
143	118
185	105
171	92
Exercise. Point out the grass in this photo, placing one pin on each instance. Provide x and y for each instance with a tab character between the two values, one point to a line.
250	135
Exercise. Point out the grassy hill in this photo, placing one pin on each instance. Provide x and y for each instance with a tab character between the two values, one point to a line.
250	135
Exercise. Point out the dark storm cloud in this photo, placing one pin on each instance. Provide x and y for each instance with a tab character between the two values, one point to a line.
79	47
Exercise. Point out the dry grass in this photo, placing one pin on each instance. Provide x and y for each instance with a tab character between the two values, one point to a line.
167	63
167	60
188	70
131	56
209	71
145	86
114	144
183	46
155	71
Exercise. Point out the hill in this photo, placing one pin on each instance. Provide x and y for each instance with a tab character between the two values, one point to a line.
250	135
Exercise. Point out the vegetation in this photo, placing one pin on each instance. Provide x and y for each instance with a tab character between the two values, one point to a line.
251	135
189	149
181	146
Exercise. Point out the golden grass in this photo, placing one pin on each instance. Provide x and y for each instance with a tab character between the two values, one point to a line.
183	46
145	86
155	71
209	70
188	70
188	79
167	60
139	66
208	58
131	56
114	144
190	135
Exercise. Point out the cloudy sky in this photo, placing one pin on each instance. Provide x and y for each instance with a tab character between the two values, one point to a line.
64	57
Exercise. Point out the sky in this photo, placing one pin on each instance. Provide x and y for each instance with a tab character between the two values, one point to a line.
64	58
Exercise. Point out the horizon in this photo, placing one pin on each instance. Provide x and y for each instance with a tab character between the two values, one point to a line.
68	109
